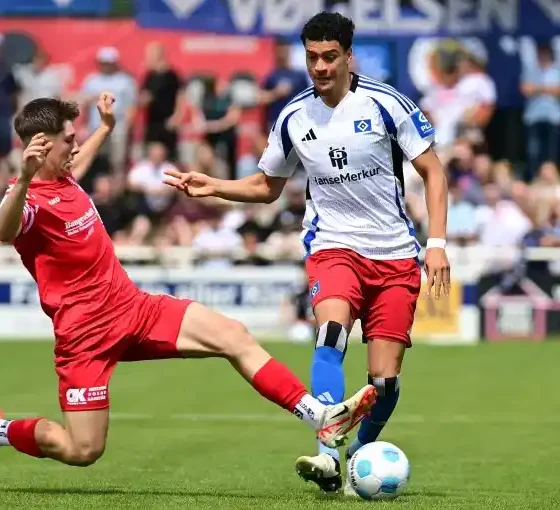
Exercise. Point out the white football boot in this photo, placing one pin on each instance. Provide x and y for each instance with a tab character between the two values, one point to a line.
322	469
339	419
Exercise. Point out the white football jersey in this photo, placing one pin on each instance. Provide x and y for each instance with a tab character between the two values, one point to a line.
353	155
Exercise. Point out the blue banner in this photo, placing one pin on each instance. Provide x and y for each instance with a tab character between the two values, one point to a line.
388	18
257	294
55	7
392	42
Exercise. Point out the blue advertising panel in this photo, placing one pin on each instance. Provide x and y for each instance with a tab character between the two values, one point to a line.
393	42
372	18
55	7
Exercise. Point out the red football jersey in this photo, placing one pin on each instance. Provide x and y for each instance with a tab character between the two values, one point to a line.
65	247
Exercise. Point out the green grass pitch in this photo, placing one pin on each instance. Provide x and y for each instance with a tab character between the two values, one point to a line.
480	426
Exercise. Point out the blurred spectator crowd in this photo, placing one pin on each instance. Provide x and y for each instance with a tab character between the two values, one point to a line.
491	203
494	204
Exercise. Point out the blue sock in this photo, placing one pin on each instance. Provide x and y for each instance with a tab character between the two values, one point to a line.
327	375
388	390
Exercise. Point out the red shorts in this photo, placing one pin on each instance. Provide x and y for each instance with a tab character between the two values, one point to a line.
381	293
145	328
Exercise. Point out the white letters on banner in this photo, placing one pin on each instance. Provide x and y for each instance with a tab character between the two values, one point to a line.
382	16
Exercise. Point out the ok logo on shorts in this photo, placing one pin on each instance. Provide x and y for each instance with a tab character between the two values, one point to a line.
76	396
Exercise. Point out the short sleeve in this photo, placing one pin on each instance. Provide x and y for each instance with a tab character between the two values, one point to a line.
488	91
415	133
28	215
478	89
137	174
28	218
280	159
404	122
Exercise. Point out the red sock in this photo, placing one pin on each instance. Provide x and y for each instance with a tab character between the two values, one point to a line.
278	384
21	435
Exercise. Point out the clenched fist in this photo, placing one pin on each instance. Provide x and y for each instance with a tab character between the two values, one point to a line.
105	109
34	155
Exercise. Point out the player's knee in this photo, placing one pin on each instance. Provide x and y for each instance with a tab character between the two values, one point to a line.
87	453
334	335
384	367
237	340
385	358
56	442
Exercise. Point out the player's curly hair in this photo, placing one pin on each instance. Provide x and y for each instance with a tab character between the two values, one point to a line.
44	115
329	26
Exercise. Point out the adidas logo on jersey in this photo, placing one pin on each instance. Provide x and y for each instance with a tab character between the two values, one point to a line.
309	136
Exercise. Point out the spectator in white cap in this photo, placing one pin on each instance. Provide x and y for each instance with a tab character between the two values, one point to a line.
111	78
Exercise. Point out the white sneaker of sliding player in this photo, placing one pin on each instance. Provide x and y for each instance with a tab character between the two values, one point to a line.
322	469
339	419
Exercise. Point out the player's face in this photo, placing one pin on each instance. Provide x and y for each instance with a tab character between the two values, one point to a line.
327	64
65	147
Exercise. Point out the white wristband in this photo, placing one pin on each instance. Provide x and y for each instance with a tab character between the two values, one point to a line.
435	242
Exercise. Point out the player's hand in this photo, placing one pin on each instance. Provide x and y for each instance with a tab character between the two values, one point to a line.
438	271
34	155
105	109
192	184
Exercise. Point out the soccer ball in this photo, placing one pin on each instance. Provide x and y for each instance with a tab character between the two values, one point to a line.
379	470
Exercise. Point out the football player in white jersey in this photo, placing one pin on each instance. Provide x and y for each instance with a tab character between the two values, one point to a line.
351	134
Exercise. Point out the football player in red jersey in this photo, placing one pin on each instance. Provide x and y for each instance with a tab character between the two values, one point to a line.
100	317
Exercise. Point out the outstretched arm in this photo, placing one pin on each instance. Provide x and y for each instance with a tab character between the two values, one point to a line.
259	188
256	188
90	148
277	164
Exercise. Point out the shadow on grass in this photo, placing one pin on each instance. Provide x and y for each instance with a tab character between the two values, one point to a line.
71	491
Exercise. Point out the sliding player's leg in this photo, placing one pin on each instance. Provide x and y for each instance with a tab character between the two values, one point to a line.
80	441
192	330
207	333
